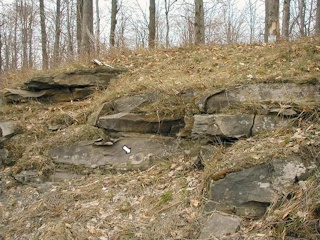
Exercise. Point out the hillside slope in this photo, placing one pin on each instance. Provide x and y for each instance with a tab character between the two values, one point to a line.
167	198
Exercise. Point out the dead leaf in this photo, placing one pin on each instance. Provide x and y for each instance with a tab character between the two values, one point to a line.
286	214
194	202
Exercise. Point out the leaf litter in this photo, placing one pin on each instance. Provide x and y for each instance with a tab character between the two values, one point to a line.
165	201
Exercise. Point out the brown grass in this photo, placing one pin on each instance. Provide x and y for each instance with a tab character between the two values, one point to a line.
164	201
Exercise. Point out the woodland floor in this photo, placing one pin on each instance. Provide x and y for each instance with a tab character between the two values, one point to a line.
166	200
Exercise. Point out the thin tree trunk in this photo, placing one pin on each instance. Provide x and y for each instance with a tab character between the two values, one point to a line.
266	21
1	44
318	19
113	22
7	54
252	17
79	23
168	4
24	31
272	19
30	35
45	60
199	22
15	40
69	31
167	29
286	19
302	14
152	23
87	28
56	47
98	27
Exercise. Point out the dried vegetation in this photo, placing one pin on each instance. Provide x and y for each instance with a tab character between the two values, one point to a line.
165	201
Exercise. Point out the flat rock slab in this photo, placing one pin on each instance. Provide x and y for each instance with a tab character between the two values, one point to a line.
219	225
250	191
57	95
144	149
140	123
8	128
17	95
229	126
259	93
96	77
123	104
4	154
234	126
131	103
64	87
266	123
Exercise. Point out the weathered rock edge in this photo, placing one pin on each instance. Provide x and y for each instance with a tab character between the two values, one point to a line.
64	87
285	93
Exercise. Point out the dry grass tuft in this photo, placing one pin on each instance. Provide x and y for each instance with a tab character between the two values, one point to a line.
297	212
143	205
164	201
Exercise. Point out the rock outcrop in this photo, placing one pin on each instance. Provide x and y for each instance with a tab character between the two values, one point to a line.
7	130
249	192
64	87
260	93
213	228
144	149
144	136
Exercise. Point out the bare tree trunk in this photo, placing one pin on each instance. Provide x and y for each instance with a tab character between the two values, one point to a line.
87	28
79	23
302	14
56	47
168	4
152	23
167	25
286	19
310	19
69	31
45	60
114	11
7	55
272	19
318	19
199	22
98	27
15	40
122	28
266	21
30	42
252	8
1	44
24	31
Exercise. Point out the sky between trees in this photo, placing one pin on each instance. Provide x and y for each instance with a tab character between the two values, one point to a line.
225	22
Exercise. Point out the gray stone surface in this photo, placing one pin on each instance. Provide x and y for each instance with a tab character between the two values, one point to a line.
265	123
16	95
234	126
226	126
123	104
81	93
140	123
259	93
219	225
96	77
131	103
250	191
8	128
4	154
64	87
144	149
2	102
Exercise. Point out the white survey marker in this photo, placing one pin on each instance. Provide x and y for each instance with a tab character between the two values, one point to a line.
126	149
